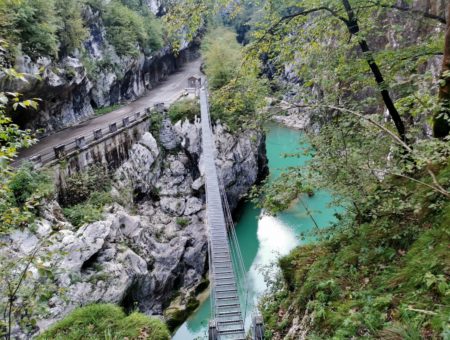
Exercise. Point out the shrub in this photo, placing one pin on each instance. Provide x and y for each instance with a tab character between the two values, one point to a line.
89	211
80	186
184	109
183	222
102	321
27	182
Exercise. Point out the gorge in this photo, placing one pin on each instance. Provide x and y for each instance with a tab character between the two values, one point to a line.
329	123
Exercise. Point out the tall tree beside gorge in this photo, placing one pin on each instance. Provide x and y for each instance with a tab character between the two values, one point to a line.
441	122
282	19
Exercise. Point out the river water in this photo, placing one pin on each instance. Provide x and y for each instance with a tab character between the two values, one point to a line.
264	238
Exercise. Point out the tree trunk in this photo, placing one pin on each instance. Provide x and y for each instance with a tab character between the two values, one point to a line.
353	27
441	126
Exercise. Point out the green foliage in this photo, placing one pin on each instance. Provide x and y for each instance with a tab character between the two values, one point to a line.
35	27
156	120
184	109
88	211
81	185
380	276
106	321
222	55
85	195
239	104
57	28
104	110
21	194
26	182
183	222
128	30
278	195
72	31
238	93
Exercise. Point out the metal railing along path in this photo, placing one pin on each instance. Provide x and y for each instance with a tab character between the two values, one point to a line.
84	141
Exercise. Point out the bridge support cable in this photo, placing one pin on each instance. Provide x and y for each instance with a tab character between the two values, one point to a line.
241	272
228	322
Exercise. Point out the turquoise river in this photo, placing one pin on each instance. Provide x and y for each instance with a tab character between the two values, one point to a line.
264	238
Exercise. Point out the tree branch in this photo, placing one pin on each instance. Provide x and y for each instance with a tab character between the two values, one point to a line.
436	185
289	17
427	15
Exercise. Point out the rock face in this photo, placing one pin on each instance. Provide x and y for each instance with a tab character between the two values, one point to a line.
72	88
142	259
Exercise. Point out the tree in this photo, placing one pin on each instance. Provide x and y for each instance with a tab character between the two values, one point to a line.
441	126
281	15
129	31
36	25
222	55
71	31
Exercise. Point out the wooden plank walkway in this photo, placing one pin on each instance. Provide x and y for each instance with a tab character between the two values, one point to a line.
225	295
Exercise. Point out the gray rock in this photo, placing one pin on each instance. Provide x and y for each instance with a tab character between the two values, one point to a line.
193	205
167	135
173	206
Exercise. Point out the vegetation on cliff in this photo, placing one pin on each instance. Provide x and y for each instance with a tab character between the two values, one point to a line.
57	28
106	321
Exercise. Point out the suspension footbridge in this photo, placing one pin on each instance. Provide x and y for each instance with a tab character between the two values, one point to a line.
227	272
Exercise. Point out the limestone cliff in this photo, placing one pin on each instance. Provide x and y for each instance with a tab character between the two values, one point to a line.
71	88
144	255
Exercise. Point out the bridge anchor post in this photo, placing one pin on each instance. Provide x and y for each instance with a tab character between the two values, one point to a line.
212	331
257	328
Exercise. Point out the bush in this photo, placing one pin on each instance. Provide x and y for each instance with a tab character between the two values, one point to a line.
27	182
89	211
106	321
184	109
183	222
80	186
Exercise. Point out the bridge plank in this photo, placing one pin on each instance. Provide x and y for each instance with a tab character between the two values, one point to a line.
222	265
